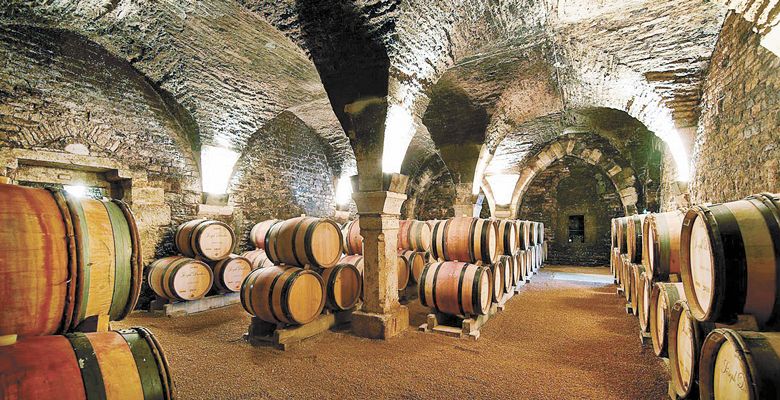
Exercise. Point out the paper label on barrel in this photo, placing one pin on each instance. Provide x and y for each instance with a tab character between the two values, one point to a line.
234	274
216	242
685	348
192	281
730	380
701	263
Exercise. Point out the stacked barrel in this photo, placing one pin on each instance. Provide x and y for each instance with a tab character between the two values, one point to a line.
67	265
715	298
302	272
205	261
477	261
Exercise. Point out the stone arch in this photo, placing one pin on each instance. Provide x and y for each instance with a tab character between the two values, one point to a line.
619	172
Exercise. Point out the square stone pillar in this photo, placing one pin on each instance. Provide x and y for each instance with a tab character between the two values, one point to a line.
465	203
503	212
382	316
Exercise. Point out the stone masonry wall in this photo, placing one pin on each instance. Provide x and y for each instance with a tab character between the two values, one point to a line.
283	173
737	149
573	187
65	98
436	201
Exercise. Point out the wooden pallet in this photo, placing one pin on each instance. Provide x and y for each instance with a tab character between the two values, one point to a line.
455	326
501	304
282	337
645	338
182	308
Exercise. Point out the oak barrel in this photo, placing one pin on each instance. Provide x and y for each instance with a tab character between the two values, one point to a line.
64	259
414	235
404	270
634	237
662	298
637	285
283	294
352	241
622	227
533	233
305	241
497	281
506	266
522	265
416	261
126	364
464	239
180	278
257	258
259	232
661	244
230	273
508	240
523	234
643	301
456	288
686	336
212	240
357	261
729	260
740	365
343	286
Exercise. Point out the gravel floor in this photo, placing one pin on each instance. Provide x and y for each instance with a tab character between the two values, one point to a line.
557	339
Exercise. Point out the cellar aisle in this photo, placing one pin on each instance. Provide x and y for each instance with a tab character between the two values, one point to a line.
565	336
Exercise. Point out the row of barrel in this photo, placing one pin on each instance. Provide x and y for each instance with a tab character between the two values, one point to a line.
705	284
295	289
66	261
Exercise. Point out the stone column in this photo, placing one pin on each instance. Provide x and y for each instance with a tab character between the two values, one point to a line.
503	211
465	203
382	316
378	198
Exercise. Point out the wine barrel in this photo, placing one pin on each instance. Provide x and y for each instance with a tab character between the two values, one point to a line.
661	244
414	235
729	260
305	241
230	273
465	239
259	232
643	301
127	364
404	270
514	270
613	233
508	240
257	258
634	237
283	294
343	286
686	336
438	239
533	233
740	365
523	234
497	281
357	261
208	239
529	264
637	285
622	227
614	265
662	298
180	278
416	261
456	288
507	269
66	259
522	265
352	241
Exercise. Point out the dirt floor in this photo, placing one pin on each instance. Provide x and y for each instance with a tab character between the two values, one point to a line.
558	339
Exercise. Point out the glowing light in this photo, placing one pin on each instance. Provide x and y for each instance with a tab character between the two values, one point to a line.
679	155
503	186
479	170
76	190
399	129
771	41
344	190
216	164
